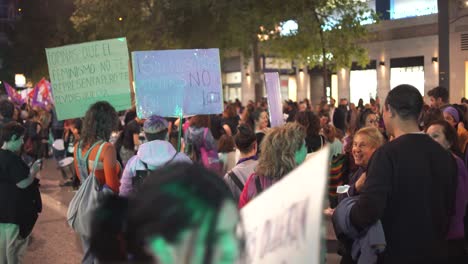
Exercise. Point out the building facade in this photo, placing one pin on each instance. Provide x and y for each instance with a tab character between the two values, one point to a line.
405	49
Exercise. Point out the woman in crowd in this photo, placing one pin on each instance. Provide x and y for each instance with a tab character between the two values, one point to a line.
230	120
366	141
246	143
283	149
260	118
227	153
172	219
455	119
368	119
44	120
99	122
314	141
32	138
247	116
443	132
197	135
17	186
129	139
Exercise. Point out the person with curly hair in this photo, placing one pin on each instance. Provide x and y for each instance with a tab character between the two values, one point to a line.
283	149
99	122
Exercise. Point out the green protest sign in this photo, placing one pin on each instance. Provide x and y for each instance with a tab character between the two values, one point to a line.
82	74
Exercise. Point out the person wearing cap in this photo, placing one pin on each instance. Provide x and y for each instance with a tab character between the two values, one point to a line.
155	153
452	116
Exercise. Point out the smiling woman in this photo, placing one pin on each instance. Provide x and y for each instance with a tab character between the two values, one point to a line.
366	141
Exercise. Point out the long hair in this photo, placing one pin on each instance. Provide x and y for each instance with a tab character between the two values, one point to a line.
310	121
230	111
278	150
171	200
99	122
200	121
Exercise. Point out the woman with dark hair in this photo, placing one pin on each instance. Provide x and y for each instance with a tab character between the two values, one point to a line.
283	149
32	138
99	122
456	119
129	138
247	116
230	120
227	153
172	219
360	106
20	201
246	143
367	118
314	141
260	119
444	134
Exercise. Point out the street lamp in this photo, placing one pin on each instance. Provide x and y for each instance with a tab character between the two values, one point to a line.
20	80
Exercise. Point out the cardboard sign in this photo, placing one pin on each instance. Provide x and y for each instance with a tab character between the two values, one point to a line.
284	224
275	105
172	83
83	74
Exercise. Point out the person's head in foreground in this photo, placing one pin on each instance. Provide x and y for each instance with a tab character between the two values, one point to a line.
182	214
155	128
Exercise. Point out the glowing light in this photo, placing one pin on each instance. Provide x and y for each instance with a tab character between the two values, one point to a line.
289	28
120	18
19	9
20	80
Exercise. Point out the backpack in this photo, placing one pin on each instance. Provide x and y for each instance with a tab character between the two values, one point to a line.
209	158
89	195
141	175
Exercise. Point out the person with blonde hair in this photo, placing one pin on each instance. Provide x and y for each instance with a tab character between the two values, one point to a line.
283	149
365	142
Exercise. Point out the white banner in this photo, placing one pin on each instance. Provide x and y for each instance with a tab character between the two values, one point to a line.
285	223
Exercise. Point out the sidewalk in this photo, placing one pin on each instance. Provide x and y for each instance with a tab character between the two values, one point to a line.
52	240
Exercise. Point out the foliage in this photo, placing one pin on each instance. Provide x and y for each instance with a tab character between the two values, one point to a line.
330	30
43	24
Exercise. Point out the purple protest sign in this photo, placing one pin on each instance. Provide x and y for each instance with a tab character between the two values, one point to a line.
13	95
275	105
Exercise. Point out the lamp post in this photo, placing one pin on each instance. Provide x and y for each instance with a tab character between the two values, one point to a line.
444	44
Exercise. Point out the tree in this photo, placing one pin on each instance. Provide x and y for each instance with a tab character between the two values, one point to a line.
230	24
329	34
43	24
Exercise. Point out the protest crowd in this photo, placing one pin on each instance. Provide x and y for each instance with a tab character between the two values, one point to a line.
169	190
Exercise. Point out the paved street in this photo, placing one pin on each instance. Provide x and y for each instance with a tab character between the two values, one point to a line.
53	242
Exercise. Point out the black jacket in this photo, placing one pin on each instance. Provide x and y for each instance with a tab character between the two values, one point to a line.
411	185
